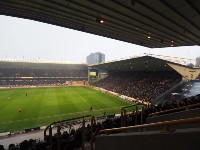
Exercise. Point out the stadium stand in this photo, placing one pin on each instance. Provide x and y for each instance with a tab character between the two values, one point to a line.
144	85
173	127
37	74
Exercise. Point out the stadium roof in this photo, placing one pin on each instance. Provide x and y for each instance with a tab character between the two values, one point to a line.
145	63
39	61
149	23
40	65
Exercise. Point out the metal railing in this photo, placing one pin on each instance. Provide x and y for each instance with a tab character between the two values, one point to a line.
58	124
166	125
174	110
124	114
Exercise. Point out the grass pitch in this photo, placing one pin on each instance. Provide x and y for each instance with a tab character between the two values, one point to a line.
41	106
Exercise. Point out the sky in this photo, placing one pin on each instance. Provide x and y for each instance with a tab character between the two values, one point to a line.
23	39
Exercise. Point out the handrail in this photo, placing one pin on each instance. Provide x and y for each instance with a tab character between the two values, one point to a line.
138	104
64	121
173	110
59	128
164	123
93	122
123	113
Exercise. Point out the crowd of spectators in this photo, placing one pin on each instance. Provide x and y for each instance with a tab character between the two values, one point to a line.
143	85
35	73
166	105
40	82
27	145
18	83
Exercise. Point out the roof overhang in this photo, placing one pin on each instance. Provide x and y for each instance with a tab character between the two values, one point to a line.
149	23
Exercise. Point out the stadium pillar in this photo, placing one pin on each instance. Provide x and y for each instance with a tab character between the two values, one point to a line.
83	134
136	114
92	134
142	114
88	74
125	118
122	117
58	137
50	138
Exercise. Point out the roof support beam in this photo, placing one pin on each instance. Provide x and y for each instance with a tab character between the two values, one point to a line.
170	20
178	13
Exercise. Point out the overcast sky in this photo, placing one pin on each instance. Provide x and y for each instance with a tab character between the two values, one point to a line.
32	40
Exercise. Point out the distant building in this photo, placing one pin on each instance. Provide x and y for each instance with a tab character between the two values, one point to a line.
197	62
95	58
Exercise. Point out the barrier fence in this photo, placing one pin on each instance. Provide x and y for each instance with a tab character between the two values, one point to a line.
175	110
59	125
165	124
135	111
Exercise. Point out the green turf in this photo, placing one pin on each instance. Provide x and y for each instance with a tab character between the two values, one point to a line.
42	106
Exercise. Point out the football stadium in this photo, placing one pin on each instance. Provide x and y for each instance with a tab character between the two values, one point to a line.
143	102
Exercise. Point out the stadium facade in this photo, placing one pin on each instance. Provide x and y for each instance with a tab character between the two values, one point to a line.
14	73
